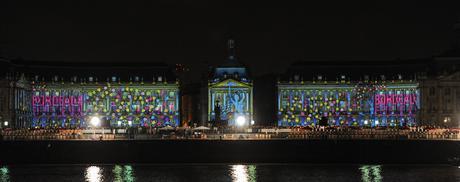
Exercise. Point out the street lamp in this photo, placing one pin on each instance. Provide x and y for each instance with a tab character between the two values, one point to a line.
240	120
95	121
447	121
5	123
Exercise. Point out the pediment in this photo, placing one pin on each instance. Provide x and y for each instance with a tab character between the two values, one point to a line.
452	76
230	83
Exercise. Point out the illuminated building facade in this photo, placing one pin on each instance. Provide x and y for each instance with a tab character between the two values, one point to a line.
357	104
371	99
64	99
373	93
348	93
119	105
230	93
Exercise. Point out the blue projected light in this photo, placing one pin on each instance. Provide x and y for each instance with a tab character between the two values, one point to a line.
379	105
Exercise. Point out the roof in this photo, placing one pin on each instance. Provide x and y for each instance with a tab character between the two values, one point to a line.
355	70
101	70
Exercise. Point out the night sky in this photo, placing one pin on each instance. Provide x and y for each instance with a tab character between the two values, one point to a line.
268	36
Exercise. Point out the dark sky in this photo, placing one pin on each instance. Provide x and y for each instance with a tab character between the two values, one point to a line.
268	36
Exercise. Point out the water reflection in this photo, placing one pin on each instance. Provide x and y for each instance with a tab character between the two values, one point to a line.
4	176
93	174
224	172
123	173
371	173
243	173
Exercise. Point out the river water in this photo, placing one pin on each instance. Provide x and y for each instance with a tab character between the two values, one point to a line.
229	172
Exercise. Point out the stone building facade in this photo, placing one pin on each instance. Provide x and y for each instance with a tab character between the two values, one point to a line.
67	95
434	82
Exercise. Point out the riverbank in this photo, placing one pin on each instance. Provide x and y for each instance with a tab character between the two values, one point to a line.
230	151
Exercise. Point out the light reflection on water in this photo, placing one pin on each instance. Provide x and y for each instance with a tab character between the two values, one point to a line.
222	172
93	174
123	173
4	176
243	173
371	173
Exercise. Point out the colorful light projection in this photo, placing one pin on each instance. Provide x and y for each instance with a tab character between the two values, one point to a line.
231	99
120	106
361	105
135	106
57	108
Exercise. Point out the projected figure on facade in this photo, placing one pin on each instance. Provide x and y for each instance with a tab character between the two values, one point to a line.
232	88
238	102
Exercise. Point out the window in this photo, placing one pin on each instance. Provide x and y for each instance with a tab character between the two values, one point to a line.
236	75
458	99
296	77
447	91
1	104
432	91
446	119
366	77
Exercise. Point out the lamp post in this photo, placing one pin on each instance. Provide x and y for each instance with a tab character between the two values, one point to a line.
446	121
95	121
241	122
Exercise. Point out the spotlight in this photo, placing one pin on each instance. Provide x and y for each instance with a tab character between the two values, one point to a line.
240	120
95	121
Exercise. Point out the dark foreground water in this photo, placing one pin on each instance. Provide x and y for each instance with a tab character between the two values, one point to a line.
225	172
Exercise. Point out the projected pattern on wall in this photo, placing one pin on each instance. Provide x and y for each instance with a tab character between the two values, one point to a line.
118	106
233	98
359	105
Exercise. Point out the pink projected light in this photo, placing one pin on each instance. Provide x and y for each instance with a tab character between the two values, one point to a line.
394	102
61	104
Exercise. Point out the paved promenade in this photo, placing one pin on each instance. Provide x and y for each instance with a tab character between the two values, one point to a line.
248	134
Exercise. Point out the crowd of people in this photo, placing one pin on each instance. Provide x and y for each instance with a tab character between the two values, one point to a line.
376	133
40	134
419	132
